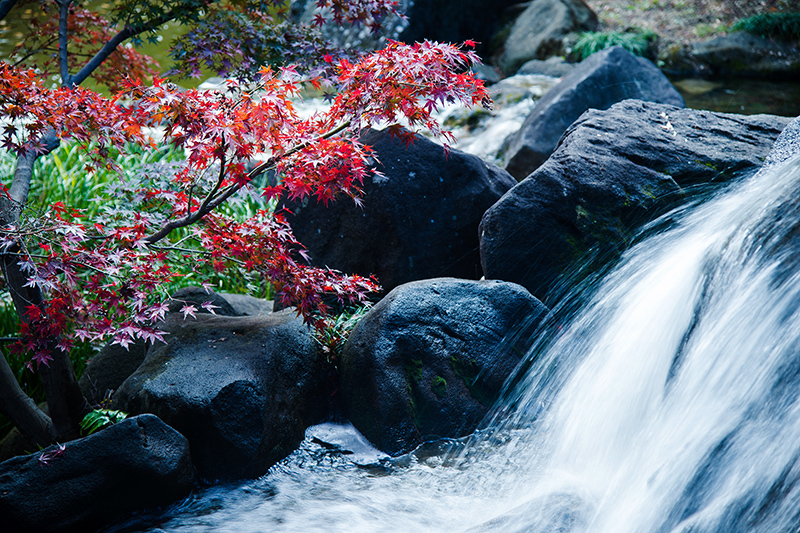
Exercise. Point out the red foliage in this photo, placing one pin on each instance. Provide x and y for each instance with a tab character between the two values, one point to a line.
102	277
31	108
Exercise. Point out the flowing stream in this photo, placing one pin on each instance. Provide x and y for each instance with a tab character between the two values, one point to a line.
669	402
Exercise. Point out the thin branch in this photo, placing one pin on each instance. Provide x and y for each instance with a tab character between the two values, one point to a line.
160	248
222	197
189	200
63	55
266	164
33	51
126	33
218	184
194	252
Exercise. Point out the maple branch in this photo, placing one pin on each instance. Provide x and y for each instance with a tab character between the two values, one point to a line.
126	33
5	7
34	51
64	399
218	184
211	203
263	167
190	251
58	379
63	56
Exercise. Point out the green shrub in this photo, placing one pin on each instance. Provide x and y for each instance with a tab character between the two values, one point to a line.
637	43
781	26
331	339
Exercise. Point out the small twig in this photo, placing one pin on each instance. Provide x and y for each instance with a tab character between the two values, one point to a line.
212	203
220	179
34	51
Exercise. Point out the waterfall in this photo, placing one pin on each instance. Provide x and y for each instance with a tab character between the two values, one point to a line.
677	401
670	402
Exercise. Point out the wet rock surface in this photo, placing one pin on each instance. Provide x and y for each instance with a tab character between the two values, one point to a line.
136	464
431	358
598	82
614	171
241	389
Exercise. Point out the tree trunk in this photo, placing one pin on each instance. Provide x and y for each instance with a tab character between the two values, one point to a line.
64	399
22	411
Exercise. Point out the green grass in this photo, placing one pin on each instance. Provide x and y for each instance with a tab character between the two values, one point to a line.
780	26
637	43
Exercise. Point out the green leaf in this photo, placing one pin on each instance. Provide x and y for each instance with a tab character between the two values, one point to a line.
100	418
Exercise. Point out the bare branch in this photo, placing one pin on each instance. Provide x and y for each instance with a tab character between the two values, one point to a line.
126	33
218	184
5	7
33	52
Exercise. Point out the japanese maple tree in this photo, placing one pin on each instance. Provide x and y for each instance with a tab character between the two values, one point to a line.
75	278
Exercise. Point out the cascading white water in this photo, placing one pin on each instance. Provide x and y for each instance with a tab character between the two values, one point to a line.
669	403
681	410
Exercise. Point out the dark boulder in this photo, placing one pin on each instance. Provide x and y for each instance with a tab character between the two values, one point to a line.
246	305
613	171
112	365
197	296
136	464
539	32
241	389
454	21
107	369
431	358
419	221
598	82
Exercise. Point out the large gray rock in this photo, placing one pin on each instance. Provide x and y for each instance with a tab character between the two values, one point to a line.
430	359
241	389
598	82
419	221
95	481
555	67
539	31
743	54
613	171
